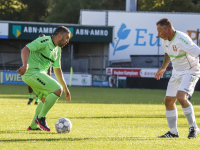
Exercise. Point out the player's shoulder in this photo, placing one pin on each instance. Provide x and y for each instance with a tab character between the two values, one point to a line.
183	38
44	39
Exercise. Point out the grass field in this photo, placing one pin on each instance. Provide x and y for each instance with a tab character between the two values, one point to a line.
102	118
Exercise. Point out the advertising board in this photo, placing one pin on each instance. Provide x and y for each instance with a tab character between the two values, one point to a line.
77	79
132	72
7	77
3	30
135	33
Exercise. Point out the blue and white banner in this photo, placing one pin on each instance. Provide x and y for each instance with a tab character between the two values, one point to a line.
135	33
105	80
7	77
3	30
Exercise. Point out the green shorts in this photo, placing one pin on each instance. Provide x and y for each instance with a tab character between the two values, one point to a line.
41	83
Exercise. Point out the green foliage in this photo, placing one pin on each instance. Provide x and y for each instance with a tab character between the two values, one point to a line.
177	6
71	9
25	10
68	11
169	5
148	5
36	10
113	5
10	9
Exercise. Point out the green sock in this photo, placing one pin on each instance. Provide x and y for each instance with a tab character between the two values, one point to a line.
48	104
31	95
37	111
36	98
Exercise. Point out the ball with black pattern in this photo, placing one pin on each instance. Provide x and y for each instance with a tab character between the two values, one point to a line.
63	125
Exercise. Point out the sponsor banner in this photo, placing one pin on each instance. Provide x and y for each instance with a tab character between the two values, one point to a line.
105	80
136	33
77	79
78	33
11	78
132	72
3	30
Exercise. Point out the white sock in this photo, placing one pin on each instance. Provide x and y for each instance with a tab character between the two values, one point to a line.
189	113
172	116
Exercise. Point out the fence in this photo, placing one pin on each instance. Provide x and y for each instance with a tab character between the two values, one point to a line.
93	64
10	61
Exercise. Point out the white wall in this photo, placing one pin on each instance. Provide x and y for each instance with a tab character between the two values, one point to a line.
97	18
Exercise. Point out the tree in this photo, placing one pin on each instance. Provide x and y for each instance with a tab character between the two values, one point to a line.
10	9
68	11
25	10
148	5
169	5
114	5
36	10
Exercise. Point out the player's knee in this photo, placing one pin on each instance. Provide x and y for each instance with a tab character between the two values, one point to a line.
43	99
168	101
181	97
59	91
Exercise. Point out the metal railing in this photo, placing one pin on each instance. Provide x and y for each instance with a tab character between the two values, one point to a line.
81	63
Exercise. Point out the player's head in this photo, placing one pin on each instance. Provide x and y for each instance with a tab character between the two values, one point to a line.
41	35
164	27
62	35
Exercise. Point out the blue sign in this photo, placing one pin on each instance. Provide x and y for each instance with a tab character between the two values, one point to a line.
11	78
105	81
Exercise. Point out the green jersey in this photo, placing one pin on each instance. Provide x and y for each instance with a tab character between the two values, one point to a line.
43	54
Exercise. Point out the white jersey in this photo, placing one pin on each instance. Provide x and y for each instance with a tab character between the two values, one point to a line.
183	53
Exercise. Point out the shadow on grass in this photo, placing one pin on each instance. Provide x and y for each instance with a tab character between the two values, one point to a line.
114	117
88	139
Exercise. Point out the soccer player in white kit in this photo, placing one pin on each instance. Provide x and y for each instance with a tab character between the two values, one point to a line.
184	55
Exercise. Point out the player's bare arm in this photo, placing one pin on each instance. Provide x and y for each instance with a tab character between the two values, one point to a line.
24	55
59	75
165	63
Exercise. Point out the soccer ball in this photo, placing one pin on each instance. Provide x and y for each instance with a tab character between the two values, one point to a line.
63	125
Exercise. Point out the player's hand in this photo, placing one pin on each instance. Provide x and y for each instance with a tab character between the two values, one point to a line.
22	70
159	73
67	94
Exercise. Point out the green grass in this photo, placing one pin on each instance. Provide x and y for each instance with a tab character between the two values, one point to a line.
102	118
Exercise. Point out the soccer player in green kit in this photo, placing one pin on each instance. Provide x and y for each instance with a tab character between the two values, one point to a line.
37	57
30	90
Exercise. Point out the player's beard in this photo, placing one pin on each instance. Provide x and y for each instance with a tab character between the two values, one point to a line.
64	45
60	44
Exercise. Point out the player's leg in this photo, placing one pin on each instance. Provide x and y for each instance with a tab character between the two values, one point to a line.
36	100
44	86
171	110
30	90
187	87
50	101
172	116
48	104
49	73
34	126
